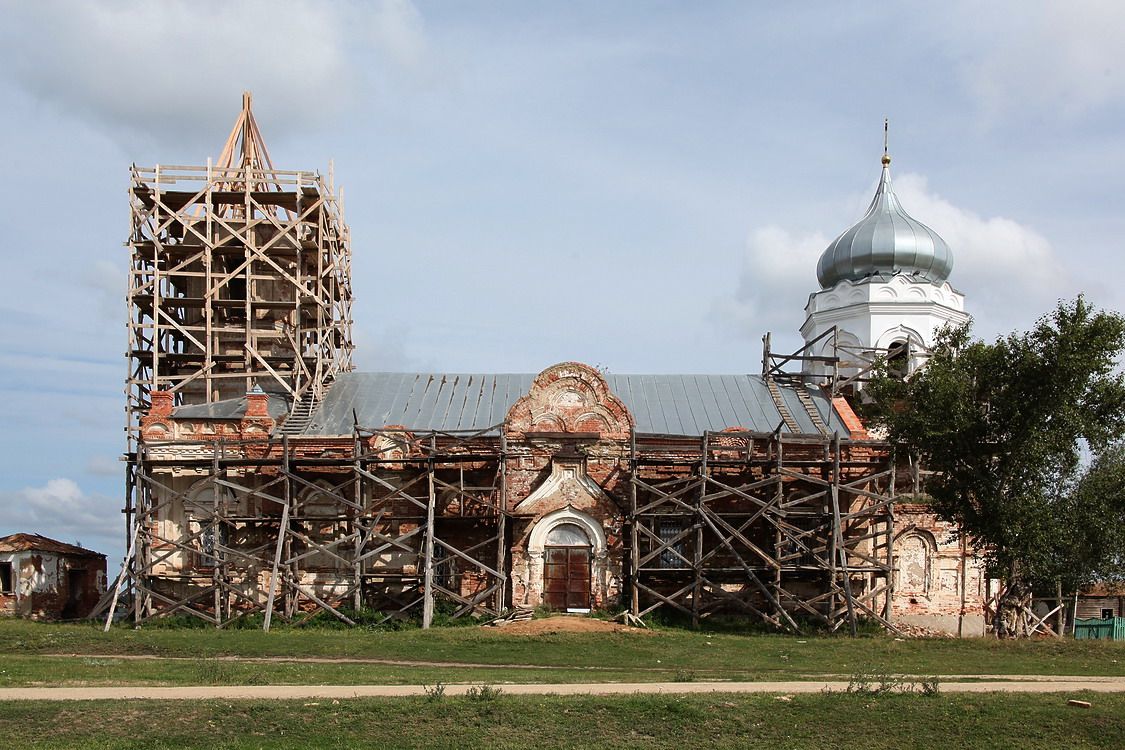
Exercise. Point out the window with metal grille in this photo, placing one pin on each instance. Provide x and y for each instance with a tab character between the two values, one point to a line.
211	541
669	530
445	566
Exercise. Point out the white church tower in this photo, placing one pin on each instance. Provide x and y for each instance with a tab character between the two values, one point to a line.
883	285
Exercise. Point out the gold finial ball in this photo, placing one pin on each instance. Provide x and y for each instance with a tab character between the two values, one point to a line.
886	159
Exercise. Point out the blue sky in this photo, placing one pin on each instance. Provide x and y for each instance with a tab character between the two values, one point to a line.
644	186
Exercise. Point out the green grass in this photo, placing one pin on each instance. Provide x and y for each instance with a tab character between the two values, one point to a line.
65	671
628	656
685	722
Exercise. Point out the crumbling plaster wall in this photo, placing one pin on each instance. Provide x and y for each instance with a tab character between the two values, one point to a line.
41	584
939	583
185	505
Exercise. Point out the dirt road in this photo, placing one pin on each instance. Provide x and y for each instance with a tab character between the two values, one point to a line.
1023	684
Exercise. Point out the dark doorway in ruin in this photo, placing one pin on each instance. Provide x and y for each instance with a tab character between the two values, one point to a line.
566	579
75	593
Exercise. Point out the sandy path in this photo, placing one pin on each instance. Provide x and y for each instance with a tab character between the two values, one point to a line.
1036	684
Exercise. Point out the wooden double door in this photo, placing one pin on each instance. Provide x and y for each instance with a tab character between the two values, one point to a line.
566	578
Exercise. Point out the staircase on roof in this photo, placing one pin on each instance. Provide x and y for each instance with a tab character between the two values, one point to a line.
810	407
782	407
300	416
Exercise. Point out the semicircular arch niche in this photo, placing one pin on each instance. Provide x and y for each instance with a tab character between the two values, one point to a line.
567	535
570	397
200	500
914	563
320	499
321	516
567	523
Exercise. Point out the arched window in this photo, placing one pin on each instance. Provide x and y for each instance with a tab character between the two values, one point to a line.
898	359
567	535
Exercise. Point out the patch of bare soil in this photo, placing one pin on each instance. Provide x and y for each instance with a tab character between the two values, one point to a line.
567	624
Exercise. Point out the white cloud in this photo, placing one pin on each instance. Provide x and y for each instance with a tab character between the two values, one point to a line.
173	71
778	274
1062	57
103	465
1009	273
60	509
386	348
177	67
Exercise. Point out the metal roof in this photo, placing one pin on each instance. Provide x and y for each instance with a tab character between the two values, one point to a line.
230	408
886	240
665	404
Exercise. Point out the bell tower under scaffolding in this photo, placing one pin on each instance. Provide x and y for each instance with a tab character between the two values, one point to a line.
240	277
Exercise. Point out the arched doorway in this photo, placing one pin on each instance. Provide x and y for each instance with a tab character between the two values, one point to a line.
566	568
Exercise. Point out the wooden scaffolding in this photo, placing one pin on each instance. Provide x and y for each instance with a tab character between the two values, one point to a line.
841	367
783	528
240	276
788	529
399	524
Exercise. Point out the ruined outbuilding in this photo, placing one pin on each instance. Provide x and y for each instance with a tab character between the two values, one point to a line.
266	477
44	579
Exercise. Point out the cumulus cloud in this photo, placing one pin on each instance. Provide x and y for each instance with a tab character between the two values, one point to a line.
778	274
1063	57
1009	272
173	70
61	510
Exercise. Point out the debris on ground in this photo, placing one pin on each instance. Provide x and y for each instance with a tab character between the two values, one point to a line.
917	631
518	613
567	624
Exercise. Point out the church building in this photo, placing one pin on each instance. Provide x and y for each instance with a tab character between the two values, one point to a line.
267	477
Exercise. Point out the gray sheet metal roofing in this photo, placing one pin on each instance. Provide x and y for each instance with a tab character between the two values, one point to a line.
665	404
230	408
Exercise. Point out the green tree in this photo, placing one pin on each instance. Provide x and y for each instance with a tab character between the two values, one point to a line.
1092	539
1004	427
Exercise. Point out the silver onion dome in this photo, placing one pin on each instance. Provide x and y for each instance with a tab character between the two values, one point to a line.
885	241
